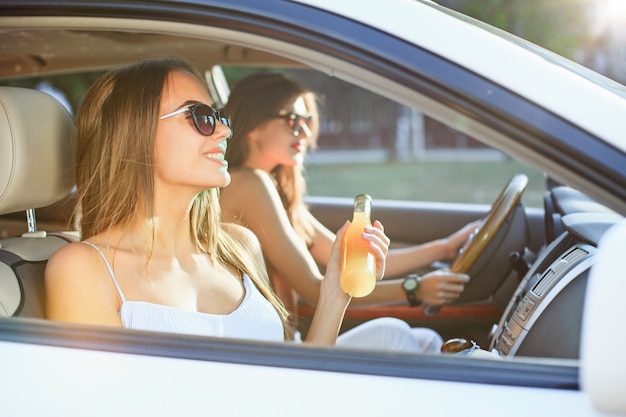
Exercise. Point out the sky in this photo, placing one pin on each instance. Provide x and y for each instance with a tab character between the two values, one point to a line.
610	15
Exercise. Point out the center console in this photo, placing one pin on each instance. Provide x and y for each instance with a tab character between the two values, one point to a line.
546	308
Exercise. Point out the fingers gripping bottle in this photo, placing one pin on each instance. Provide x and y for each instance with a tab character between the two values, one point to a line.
358	265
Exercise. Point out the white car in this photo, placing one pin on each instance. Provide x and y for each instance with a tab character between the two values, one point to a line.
545	300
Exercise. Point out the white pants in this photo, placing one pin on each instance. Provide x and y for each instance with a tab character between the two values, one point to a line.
391	334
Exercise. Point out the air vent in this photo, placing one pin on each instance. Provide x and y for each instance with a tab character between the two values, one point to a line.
556	270
575	255
545	282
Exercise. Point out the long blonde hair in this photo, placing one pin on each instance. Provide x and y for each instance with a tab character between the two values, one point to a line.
115	163
254	100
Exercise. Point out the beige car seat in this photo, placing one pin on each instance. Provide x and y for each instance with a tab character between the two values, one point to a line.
36	170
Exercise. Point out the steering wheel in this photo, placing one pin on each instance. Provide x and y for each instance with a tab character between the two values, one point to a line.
501	210
485	254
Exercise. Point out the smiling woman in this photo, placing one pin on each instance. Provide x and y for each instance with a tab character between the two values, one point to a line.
164	246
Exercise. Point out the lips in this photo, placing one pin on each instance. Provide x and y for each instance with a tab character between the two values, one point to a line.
217	155
299	146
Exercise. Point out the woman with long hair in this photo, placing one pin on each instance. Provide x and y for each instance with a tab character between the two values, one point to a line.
275	123
155	254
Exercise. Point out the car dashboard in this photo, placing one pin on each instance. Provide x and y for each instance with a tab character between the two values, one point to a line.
544	316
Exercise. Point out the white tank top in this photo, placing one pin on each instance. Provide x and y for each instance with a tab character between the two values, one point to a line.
255	318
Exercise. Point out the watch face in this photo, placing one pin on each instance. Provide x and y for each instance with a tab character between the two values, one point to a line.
410	284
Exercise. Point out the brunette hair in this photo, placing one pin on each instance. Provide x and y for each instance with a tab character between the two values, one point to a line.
115	165
254	100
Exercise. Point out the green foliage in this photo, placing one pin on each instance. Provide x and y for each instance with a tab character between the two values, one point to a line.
558	25
450	181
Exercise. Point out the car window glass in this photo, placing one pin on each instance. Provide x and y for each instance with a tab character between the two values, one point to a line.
368	143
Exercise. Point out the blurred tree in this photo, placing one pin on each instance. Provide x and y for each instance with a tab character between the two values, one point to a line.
561	26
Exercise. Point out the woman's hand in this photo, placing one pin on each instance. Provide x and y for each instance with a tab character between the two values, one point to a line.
330	284
441	287
455	241
379	245
333	302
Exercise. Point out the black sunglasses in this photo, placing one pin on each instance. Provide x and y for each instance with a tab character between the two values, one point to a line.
297	122
204	118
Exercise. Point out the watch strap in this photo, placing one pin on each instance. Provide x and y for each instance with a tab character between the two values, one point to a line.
411	295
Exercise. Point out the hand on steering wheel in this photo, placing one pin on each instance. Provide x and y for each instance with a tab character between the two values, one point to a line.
501	210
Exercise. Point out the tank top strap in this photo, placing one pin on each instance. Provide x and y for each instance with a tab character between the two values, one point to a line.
106	262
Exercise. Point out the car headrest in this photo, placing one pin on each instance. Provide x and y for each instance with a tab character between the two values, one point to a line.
36	150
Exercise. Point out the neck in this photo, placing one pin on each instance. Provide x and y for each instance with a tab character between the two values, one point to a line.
168	228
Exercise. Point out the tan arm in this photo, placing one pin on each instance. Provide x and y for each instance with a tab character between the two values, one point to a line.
252	200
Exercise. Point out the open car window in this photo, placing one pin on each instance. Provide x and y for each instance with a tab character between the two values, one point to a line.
369	143
432	137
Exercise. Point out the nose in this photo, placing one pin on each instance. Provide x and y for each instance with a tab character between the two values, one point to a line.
222	131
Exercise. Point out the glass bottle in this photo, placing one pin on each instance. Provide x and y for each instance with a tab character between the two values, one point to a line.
358	265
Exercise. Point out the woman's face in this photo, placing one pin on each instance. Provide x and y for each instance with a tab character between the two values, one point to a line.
274	143
184	156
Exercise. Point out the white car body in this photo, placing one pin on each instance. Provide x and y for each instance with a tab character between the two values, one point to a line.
87	371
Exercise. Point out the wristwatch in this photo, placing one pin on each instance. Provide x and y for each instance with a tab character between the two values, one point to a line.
410	285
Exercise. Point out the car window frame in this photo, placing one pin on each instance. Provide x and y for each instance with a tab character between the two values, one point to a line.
559	374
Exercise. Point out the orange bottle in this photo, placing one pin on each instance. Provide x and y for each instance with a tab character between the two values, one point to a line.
358	265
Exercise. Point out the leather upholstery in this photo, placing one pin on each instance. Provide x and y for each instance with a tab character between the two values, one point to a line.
36	170
36	144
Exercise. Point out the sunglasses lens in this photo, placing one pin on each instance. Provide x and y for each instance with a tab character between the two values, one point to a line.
224	117
204	119
296	122
293	121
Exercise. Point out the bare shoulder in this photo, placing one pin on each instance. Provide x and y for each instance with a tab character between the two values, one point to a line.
248	241
247	182
71	257
250	193
73	266
242	234
79	288
250	177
